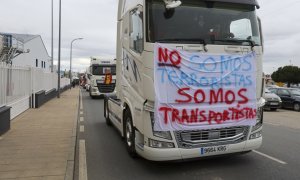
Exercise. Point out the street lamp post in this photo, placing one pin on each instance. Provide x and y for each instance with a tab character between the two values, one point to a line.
71	58
59	48
52	36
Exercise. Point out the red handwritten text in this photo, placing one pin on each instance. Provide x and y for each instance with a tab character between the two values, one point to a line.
164	56
214	96
190	116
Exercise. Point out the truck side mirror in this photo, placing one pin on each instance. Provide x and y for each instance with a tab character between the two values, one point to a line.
260	32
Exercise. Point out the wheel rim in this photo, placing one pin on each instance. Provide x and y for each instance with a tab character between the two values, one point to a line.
297	107
128	132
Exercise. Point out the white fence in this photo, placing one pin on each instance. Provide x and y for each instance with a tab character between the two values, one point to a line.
43	80
17	84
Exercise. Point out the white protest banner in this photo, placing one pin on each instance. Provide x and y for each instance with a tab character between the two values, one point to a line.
203	91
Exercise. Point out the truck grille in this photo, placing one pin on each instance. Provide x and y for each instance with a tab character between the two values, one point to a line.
106	88
212	137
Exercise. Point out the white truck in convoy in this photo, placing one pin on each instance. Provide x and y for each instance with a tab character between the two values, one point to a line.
99	68
164	31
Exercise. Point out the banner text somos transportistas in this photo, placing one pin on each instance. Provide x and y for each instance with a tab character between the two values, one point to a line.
203	91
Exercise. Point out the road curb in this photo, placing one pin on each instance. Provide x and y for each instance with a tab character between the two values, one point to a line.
71	158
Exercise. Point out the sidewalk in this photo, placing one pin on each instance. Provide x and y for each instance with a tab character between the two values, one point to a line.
40	144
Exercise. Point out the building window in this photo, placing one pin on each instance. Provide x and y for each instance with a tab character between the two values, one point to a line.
36	63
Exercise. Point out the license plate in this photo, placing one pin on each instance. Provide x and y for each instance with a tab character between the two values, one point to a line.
213	149
274	103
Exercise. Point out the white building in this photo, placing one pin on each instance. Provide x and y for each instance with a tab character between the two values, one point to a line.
37	54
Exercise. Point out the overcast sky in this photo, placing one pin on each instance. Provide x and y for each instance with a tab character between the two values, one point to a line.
95	21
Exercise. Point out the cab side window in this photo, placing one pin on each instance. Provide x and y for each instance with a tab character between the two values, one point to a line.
136	31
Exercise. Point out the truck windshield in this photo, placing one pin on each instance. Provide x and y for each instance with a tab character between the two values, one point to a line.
102	70
206	22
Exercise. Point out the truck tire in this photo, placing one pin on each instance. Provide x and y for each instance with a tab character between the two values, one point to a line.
273	109
91	95
129	133
297	106
106	112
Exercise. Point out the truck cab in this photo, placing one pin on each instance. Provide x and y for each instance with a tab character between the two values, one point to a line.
228	27
96	73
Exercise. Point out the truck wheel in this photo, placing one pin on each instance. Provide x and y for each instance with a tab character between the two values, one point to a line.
129	134
106	113
91	95
297	106
273	109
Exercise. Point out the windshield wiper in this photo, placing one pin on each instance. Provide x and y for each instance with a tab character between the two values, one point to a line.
252	43
185	40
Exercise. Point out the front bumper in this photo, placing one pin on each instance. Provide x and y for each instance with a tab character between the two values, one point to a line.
155	154
273	104
94	91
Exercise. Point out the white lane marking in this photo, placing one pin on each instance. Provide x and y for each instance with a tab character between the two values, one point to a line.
269	157
81	119
81	103
82	161
81	112
273	124
81	129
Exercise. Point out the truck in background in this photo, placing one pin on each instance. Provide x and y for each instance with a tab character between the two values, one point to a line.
100	68
88	80
194	27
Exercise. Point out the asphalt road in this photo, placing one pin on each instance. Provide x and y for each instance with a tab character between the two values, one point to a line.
107	158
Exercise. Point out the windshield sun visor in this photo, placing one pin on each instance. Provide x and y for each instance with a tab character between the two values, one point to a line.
249	2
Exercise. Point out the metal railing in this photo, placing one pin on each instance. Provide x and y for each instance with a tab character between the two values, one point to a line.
10	47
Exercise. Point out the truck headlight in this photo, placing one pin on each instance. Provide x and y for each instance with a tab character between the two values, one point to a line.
160	144
160	134
259	119
255	135
163	134
94	89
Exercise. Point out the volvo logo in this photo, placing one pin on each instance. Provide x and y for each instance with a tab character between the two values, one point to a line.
214	135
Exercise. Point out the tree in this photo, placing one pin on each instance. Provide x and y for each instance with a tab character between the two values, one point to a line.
287	74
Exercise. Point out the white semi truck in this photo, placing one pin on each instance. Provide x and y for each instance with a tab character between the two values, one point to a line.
215	27
100	68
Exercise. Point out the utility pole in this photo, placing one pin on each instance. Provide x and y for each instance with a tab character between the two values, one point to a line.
52	36
59	48
71	59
